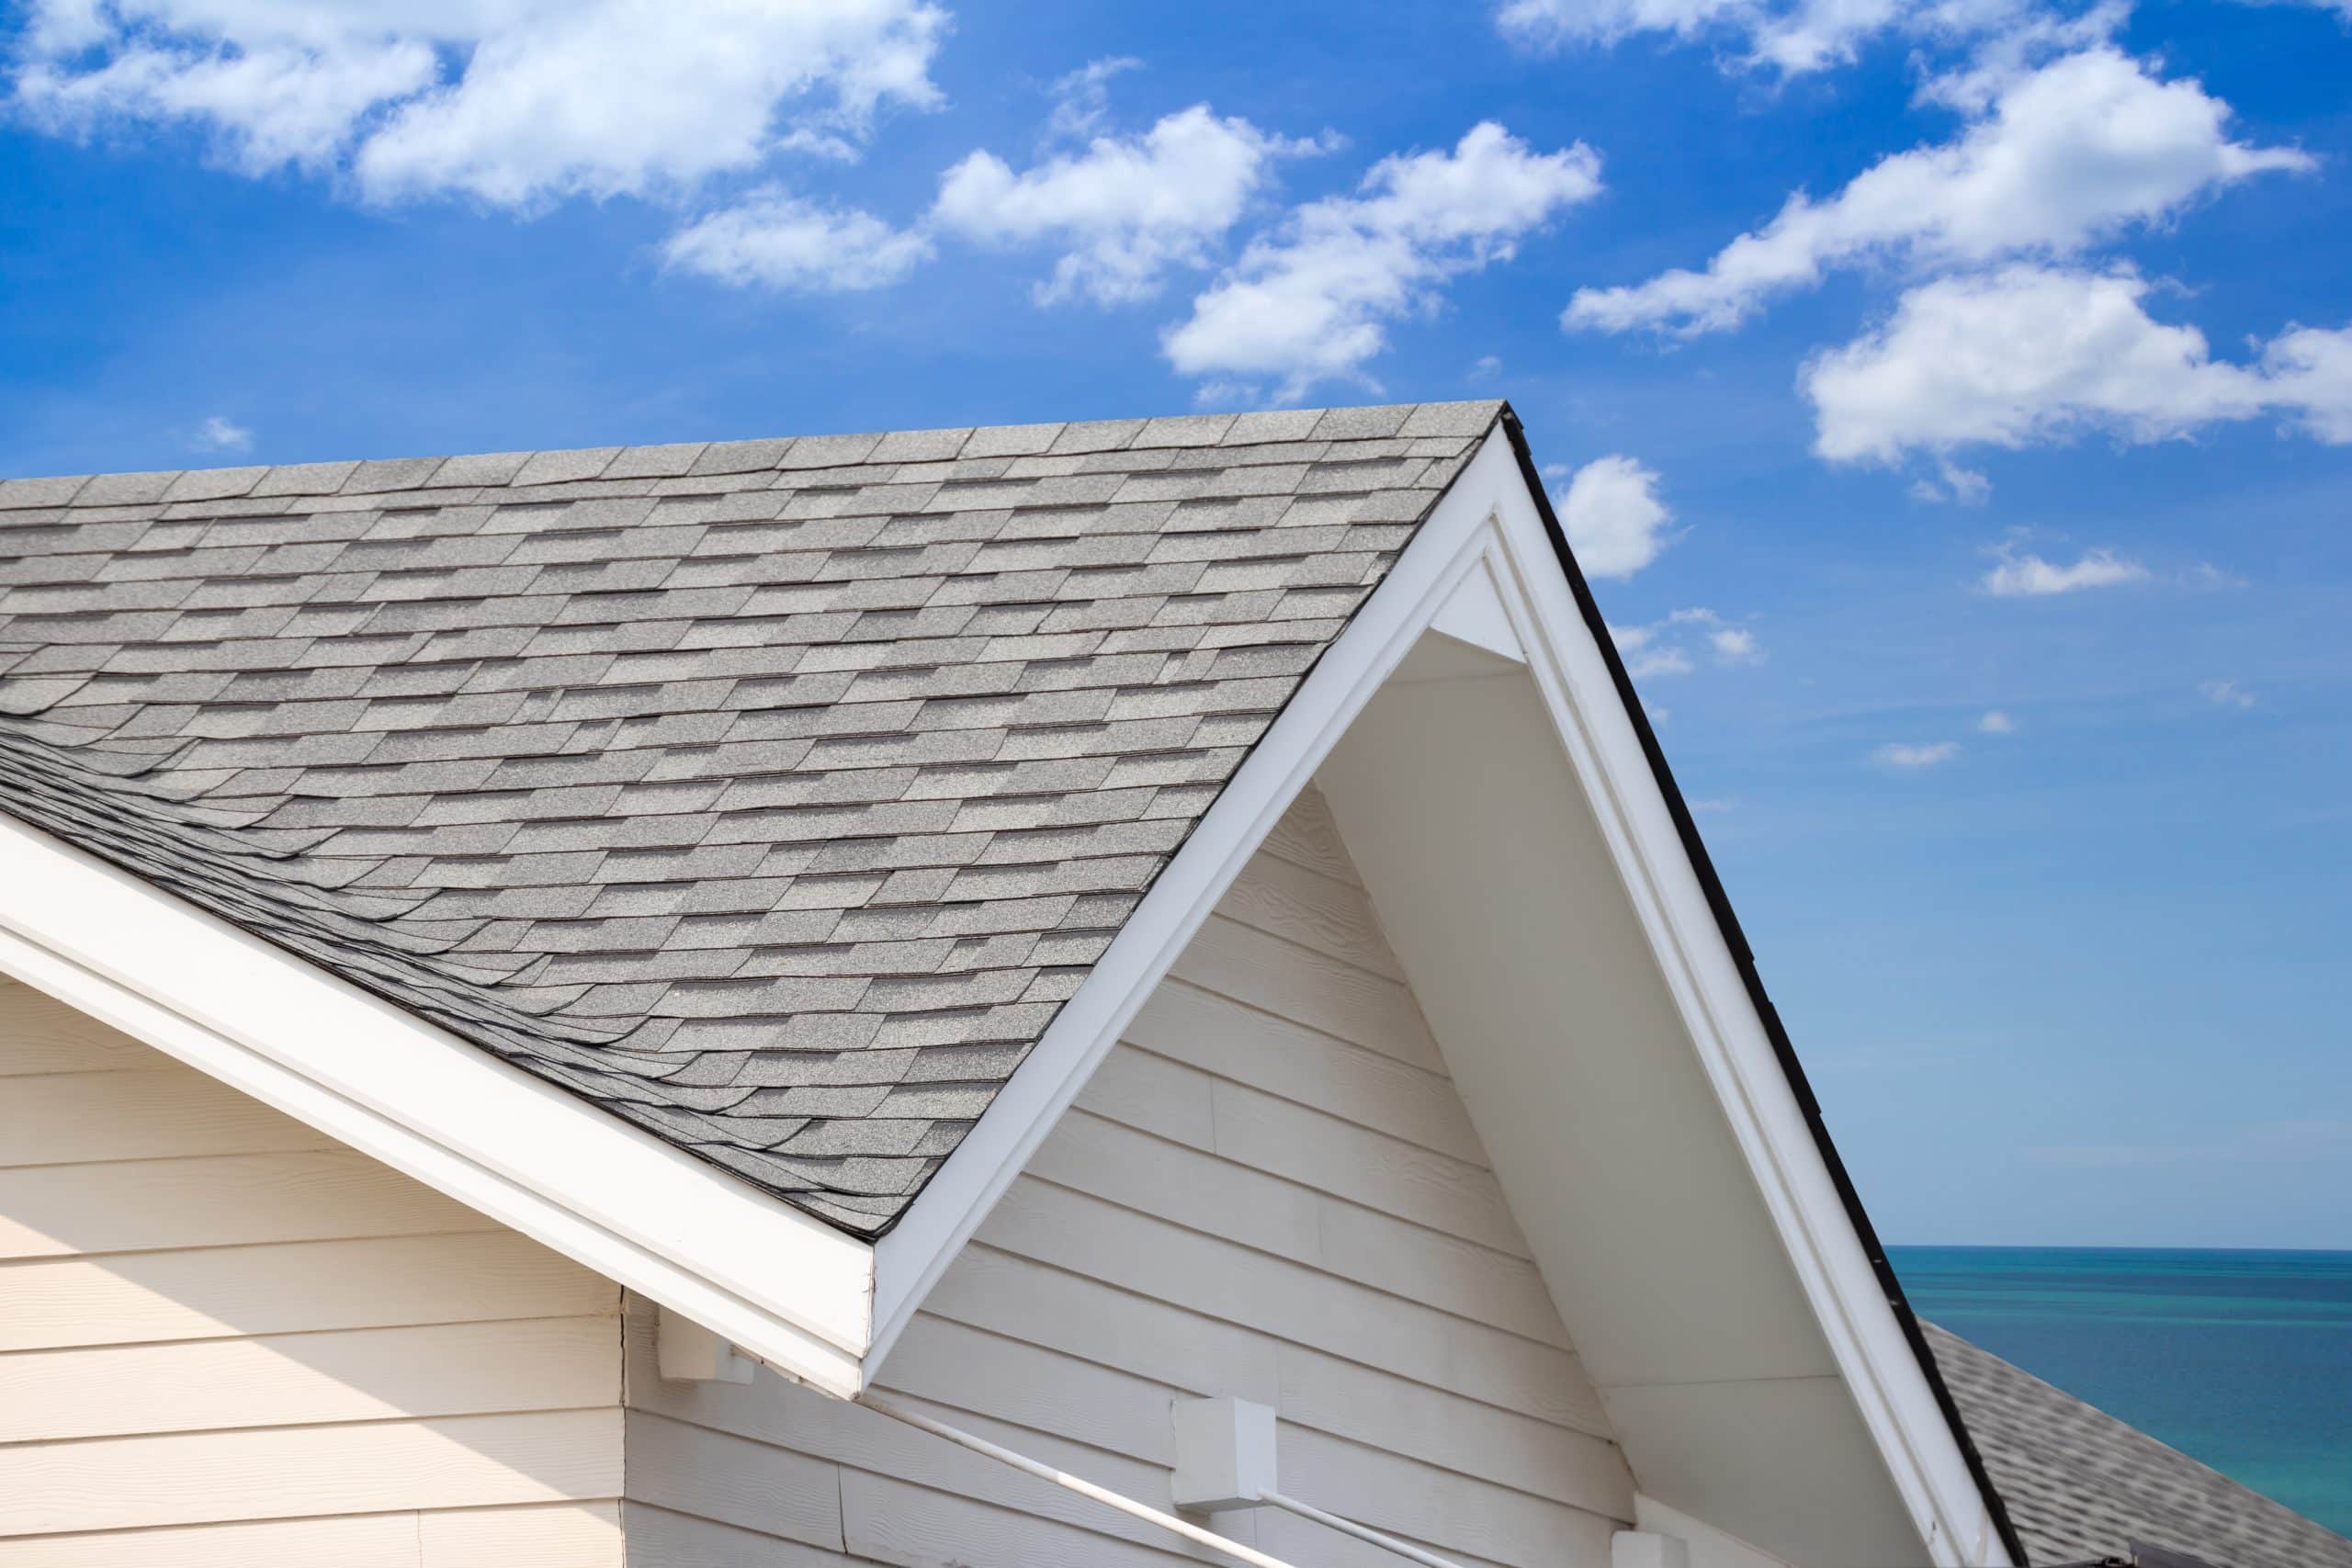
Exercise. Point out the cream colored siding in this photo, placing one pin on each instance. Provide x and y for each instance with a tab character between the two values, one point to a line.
1270	1190
226	1339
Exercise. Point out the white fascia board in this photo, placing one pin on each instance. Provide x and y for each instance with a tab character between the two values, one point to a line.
1448	546
1874	1356
783	1285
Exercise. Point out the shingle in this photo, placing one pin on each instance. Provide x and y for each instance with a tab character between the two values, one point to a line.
56	491
381	476
1361	423
481	468
827	451
564	467
1011	440
919	446
1271	426
125	490
654	462
1097	435
740	456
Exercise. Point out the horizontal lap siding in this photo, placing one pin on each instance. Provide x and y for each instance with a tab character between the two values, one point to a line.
225	1339
1269	1191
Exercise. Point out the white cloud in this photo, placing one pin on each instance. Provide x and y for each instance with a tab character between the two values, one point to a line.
510	102
1735	645
2226	693
1616	523
2063	156
1910	755
775	240
1793	38
1671	646
1309	301
2032	354
218	433
2028	576
1995	722
1645	656
1083	96
1487	367
1127	207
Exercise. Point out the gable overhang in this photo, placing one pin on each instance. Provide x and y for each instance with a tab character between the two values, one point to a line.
1484	624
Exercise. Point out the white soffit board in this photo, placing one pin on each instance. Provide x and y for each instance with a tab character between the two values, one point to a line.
1474	615
1533	883
783	1285
1445	552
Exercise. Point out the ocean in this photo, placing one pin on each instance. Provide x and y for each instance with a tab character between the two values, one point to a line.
2241	1360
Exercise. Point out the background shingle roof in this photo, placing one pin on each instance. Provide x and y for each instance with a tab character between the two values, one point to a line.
773	795
2081	1485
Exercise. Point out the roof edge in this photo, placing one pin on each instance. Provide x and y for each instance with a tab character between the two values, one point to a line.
1743	957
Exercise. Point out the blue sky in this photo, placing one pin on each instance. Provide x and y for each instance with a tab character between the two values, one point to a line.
1977	525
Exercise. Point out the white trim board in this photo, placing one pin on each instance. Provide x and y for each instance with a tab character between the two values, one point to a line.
783	1285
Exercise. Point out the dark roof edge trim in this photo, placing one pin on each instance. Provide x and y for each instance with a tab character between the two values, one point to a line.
1687	827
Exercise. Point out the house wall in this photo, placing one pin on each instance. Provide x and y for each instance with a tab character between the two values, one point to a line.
226	1339
1271	1191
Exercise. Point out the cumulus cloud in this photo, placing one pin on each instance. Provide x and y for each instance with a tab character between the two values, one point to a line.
2061	157
773	239
1128	208
1616	523
2031	353
219	434
1309	301
1914	755
1995	722
2028	576
1675	645
510	102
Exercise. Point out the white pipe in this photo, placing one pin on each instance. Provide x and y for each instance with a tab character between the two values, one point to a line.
1361	1532
1084	1488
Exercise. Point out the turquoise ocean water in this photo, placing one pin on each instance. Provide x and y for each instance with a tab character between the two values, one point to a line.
2242	1359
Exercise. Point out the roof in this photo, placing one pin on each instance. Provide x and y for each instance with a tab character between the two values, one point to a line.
772	795
2081	1485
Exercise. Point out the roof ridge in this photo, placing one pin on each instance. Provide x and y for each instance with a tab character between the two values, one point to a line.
684	460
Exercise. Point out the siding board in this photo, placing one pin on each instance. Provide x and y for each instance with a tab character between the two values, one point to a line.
297	1471
44	1035
216	1201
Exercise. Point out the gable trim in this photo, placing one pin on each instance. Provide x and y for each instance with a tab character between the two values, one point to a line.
909	1259
782	1284
1931	1440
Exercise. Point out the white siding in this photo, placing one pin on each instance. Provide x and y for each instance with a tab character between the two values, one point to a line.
1270	1190
225	1339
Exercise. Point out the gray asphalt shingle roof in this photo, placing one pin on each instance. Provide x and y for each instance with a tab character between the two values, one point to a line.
2080	1485
773	795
